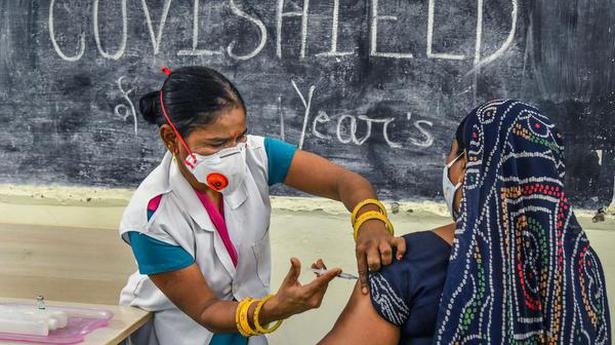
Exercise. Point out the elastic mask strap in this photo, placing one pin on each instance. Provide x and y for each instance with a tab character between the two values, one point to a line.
454	160
164	112
448	166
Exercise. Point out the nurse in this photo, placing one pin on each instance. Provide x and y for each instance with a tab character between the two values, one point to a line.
198	224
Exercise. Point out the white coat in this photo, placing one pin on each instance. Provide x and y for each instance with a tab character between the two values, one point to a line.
182	220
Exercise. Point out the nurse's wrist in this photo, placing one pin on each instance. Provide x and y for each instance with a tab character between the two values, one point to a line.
271	311
251	310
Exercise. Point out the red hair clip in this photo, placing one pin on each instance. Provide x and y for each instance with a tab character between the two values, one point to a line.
166	71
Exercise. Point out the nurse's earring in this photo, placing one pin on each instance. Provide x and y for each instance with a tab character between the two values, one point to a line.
171	147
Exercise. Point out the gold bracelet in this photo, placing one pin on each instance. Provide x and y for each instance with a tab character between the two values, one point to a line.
238	311
369	216
359	206
257	324
243	318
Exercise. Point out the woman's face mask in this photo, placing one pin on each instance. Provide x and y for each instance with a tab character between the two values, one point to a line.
223	171
449	189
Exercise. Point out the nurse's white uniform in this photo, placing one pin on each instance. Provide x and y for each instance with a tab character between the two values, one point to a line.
182	220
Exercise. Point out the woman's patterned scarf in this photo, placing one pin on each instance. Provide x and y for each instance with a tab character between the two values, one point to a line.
522	270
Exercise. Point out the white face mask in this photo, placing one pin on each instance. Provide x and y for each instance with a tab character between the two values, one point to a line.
223	171
449	189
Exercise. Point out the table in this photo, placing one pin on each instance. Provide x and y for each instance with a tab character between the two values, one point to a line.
126	320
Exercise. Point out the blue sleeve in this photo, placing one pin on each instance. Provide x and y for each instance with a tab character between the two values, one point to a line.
228	339
279	154
154	256
389	290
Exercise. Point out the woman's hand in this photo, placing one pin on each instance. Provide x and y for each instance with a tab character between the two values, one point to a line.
316	175
375	248
293	297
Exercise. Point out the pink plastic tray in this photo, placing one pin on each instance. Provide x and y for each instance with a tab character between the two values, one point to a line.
81	322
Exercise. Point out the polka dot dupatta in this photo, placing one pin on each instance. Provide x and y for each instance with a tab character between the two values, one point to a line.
522	270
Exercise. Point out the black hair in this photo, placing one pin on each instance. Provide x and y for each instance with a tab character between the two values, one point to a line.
193	97
459	137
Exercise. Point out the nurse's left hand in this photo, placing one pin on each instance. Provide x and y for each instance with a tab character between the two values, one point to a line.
375	247
293	297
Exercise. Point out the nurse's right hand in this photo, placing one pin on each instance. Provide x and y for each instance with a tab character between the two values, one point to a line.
293	297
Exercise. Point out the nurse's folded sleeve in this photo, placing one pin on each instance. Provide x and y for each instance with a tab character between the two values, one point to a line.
279	157
154	256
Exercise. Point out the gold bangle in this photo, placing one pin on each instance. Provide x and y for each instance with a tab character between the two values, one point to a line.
243	318
369	216
238	312
359	206
257	324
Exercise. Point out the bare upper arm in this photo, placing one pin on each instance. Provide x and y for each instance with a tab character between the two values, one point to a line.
187	289
360	324
313	174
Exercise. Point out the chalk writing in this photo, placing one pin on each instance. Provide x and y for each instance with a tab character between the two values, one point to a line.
321	118
504	47
124	111
122	49
334	34
261	29
195	51
281	112
430	29
307	104
374	35
238	11
54	42
156	37
280	15
346	128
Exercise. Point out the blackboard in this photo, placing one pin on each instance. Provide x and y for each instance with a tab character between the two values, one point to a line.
377	86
